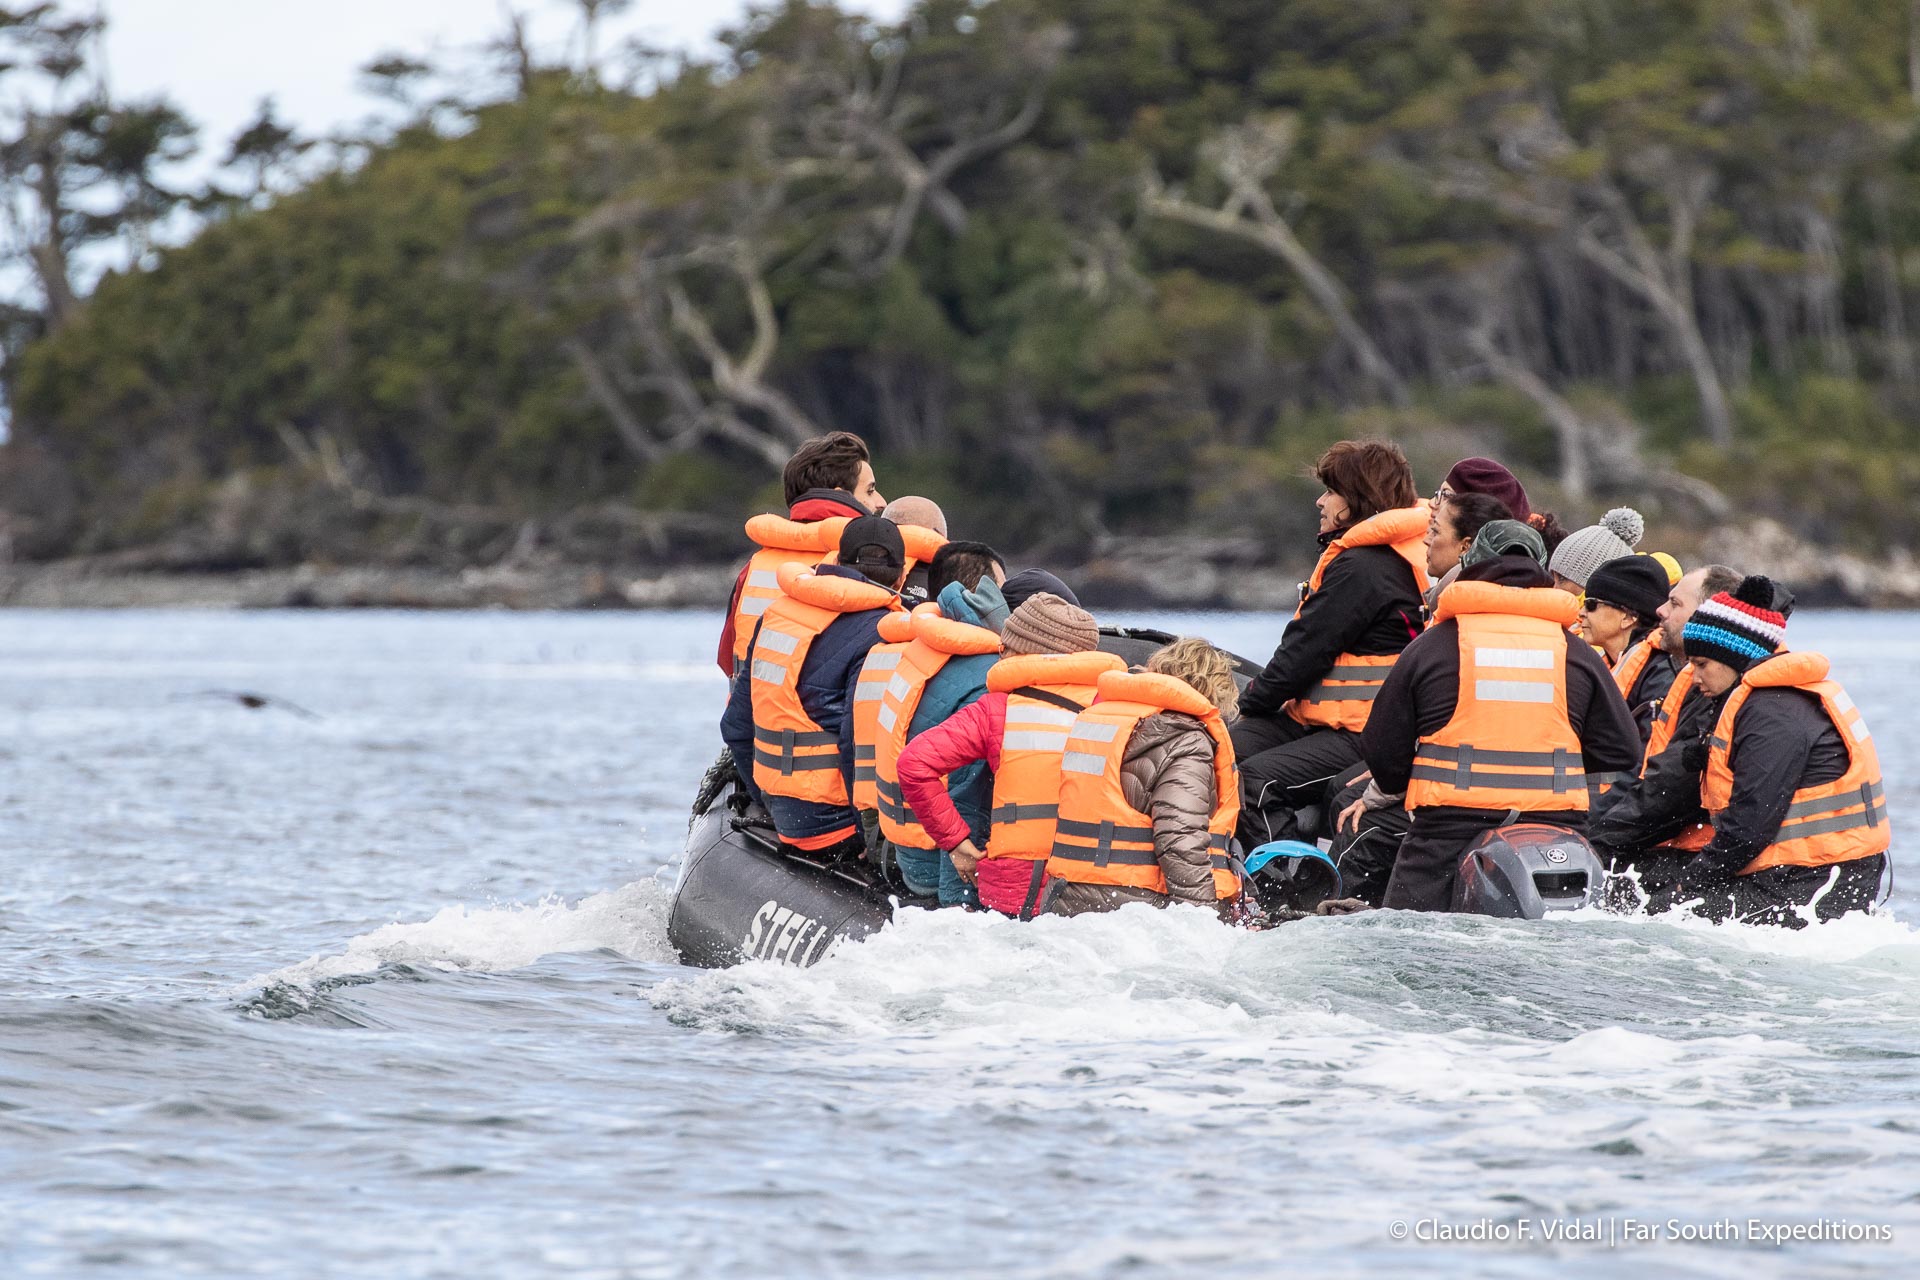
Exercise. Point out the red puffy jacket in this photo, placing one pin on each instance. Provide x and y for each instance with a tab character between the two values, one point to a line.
969	734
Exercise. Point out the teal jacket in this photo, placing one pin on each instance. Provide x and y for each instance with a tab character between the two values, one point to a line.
961	682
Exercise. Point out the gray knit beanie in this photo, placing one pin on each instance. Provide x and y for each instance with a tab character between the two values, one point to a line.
1585	550
1048	624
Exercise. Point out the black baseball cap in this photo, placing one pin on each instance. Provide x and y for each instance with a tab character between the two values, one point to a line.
873	545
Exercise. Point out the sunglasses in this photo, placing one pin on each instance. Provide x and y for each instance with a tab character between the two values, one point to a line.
1590	603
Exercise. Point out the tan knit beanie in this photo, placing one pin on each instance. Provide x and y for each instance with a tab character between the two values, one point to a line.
1048	624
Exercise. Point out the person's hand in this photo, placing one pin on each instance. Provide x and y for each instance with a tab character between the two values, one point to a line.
1350	816
1341	907
966	860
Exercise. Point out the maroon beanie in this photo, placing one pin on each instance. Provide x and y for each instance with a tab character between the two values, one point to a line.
1484	475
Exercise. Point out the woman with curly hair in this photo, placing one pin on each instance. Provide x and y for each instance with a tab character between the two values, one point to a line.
1149	793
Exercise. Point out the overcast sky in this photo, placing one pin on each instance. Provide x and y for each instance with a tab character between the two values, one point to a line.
218	58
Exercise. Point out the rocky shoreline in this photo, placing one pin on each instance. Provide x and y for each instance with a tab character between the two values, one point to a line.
1137	573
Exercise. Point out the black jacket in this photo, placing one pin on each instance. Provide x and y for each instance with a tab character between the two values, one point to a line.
1664	801
1368	604
1423	690
1782	741
1650	690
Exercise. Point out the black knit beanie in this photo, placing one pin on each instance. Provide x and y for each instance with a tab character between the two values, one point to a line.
1638	583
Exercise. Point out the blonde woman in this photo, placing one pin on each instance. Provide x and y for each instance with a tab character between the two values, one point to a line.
1149	791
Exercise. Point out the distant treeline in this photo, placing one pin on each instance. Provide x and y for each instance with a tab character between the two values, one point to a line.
1075	267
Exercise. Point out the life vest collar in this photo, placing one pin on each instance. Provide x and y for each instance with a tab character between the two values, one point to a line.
1155	690
1547	603
936	631
833	592
896	628
1019	670
922	543
1399	525
1787	671
778	533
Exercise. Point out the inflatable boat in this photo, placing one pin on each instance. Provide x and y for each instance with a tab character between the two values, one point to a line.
739	897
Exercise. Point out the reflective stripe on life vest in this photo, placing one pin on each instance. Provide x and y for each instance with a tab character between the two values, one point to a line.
794	757
1343	698
1099	837
896	630
782	542
1509	744
1026	788
1832	822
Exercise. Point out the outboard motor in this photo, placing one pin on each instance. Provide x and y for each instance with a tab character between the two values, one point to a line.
1524	871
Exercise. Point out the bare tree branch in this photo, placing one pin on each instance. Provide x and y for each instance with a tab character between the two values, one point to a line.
1246	157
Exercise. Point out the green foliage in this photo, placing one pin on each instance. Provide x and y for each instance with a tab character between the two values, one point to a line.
581	294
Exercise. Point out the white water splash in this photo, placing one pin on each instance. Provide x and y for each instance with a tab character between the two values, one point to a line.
630	921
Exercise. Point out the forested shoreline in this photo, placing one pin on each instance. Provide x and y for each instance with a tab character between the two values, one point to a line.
1101	276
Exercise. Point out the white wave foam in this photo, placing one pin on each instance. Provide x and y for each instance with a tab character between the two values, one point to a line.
630	920
1850	938
1174	1013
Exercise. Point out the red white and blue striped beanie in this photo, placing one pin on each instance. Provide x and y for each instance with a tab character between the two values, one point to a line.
1738	627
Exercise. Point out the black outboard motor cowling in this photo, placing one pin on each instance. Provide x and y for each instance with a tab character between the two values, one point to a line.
1524	871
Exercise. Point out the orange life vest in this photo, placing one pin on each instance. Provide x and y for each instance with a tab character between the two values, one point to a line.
1625	673
1026	790
869	691
792	756
1099	837
1833	822
1633	664
1666	717
1509	744
1344	696
936	639
782	542
922	544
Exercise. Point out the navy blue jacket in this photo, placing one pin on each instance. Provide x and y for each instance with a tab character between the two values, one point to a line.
827	678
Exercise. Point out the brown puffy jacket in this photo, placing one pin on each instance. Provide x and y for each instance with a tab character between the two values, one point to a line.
1168	774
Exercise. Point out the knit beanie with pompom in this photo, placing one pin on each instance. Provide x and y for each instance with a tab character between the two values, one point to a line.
1585	550
1738	627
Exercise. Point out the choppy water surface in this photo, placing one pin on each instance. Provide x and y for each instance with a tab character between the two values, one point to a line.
387	993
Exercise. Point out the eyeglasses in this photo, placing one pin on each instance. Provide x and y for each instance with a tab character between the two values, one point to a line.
1589	603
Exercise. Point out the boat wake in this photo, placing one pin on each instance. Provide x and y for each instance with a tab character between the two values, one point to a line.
629	921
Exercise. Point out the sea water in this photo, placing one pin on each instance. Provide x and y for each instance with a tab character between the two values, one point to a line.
373	981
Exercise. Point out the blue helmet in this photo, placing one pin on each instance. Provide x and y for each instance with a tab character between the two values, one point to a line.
1292	874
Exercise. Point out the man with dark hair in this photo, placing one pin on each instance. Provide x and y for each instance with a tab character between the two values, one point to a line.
965	563
836	463
788	720
828	481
